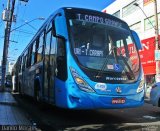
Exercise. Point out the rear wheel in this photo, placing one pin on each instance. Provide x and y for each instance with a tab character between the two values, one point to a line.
37	91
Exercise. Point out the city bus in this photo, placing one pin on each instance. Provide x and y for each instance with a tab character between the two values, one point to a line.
82	59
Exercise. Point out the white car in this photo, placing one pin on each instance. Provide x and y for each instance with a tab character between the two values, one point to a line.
155	94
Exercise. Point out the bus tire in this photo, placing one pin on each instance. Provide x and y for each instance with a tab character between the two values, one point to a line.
37	91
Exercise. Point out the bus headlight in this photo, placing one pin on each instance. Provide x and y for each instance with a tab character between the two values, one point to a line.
82	84
140	87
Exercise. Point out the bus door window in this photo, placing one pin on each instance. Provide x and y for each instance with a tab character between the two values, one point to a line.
53	51
47	66
52	62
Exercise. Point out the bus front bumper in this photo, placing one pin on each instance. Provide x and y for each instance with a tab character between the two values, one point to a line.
83	100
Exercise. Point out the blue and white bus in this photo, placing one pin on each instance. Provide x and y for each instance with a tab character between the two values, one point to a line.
82	59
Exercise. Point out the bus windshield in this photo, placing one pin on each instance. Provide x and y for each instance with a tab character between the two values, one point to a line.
104	48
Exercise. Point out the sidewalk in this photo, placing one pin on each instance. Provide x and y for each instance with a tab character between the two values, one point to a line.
10	113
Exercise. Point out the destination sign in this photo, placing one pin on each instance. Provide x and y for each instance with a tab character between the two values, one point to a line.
98	19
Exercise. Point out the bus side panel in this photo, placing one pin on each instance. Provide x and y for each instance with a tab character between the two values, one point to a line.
26	85
31	80
60	93
19	83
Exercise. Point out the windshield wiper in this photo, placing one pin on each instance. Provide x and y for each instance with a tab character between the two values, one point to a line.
106	59
129	75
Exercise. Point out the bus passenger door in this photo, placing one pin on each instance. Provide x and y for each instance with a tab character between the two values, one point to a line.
49	68
52	66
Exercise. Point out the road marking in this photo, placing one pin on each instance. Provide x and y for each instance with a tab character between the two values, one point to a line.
143	124
150	117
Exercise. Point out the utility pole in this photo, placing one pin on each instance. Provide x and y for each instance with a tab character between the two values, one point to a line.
6	42
157	41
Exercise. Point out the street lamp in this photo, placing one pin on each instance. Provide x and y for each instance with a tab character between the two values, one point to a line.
144	14
156	37
39	18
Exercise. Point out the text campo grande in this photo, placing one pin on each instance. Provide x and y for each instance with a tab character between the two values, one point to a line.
98	19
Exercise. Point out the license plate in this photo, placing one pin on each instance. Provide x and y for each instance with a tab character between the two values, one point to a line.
118	100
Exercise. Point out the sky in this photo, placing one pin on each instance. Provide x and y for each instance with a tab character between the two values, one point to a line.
35	9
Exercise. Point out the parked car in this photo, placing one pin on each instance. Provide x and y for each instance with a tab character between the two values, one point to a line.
148	91
155	94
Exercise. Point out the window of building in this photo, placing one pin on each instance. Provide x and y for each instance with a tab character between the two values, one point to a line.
130	8
149	23
136	27
117	14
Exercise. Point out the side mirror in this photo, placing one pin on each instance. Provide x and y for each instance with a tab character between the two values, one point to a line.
53	28
137	40
59	26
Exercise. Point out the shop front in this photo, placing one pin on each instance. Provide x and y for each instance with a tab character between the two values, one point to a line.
148	62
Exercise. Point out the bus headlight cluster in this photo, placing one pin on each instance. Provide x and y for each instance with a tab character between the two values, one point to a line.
140	87
82	84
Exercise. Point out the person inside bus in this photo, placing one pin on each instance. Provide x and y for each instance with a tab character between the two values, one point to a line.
97	45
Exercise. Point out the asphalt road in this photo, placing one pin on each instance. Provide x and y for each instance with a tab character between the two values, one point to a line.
144	118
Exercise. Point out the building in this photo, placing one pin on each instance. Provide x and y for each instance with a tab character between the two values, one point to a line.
136	17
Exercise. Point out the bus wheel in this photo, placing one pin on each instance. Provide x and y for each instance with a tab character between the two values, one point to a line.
37	91
38	95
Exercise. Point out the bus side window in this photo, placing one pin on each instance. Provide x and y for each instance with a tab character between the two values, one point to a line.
24	60
24	63
61	59
19	65
33	54
29	57
40	44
